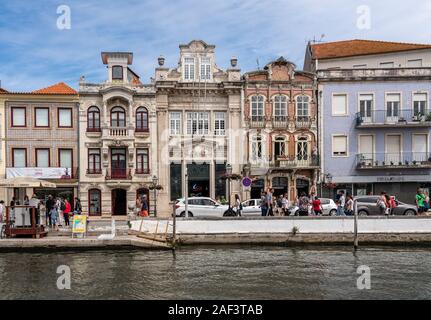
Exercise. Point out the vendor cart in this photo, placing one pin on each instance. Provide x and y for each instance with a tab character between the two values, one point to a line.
22	221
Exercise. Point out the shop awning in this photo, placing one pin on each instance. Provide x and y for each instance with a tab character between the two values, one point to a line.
26	182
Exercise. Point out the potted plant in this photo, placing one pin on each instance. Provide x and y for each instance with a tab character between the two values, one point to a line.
428	117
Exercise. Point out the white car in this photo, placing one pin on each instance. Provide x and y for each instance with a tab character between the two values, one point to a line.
328	205
200	207
251	208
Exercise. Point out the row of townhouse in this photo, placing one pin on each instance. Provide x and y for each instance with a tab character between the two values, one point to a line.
357	119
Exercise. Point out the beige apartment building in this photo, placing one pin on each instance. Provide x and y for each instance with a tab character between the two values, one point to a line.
198	124
40	140
118	129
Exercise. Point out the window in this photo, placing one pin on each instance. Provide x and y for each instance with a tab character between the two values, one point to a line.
302	149
175	123
366	107
386	64
19	158
64	117
94	163
118	117
302	108
257	108
176	181
42	158
279	147
219	124
393	101
142	120
339	146
419	103
205	68
65	158
93	119
41	116
117	73
142	161
359	66
339	104
197	123
280	108
94	202
417	63
256	148
189	68
18	117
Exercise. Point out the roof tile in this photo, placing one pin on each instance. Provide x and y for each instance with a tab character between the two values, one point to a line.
357	47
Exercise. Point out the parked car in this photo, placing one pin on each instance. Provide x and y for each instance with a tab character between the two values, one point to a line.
367	206
200	207
251	208
328	205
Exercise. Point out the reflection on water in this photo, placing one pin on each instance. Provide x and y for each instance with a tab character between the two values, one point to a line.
219	273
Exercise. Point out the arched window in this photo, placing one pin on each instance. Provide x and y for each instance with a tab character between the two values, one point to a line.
142	120
280	108
94	202
118	117
257	108
93	119
302	108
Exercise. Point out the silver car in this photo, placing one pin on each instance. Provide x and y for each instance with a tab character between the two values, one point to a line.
367	206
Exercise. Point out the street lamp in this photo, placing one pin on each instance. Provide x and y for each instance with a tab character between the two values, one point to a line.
154	186
228	175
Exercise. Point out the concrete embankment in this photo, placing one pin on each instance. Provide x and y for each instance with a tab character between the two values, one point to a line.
293	230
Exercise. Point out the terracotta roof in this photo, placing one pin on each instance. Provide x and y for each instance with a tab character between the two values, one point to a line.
350	48
59	88
3	90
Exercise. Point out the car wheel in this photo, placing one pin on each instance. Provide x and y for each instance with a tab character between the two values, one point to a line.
409	213
362	213
229	213
333	212
183	214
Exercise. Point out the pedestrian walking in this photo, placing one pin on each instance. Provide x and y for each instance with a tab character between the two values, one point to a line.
303	204
238	205
341	202
317	206
49	205
263	204
382	203
349	206
420	201
144	207
66	212
426	201
285	205
77	206
269	202
392	205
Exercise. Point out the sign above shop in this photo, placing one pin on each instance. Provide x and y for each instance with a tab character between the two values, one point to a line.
39	173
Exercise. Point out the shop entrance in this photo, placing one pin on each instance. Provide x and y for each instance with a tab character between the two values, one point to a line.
199	180
119	202
302	185
279	184
257	187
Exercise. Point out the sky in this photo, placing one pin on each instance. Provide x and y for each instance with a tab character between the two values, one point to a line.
35	53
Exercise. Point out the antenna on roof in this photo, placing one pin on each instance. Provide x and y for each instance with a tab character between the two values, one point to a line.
320	40
257	62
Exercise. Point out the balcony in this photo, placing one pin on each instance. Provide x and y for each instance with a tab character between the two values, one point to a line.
402	160
303	122
393	118
257	122
118	174
288	162
280	122
94	171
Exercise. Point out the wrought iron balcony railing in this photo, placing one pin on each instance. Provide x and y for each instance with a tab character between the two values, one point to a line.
394	117
393	160
119	174
257	121
303	122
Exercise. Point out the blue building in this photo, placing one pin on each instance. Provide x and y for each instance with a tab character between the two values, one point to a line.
375	127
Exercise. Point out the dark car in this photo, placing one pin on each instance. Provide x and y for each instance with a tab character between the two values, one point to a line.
367	206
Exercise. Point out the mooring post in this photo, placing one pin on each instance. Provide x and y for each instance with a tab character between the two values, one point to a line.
174	226
355	243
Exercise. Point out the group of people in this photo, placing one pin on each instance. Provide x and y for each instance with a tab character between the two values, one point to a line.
54	212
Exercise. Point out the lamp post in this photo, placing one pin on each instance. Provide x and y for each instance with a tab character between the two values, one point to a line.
155	180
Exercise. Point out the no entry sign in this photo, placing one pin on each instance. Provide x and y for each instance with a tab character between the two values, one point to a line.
246	182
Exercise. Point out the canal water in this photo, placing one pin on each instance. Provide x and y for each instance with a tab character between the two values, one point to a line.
219	273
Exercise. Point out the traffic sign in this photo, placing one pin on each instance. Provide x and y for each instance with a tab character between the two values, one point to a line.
246	182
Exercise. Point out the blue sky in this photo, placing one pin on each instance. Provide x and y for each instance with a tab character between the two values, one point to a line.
34	53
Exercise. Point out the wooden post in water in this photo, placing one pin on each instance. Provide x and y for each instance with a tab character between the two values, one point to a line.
355	243
174	226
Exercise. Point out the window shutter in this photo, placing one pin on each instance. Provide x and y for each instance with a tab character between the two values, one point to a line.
339	104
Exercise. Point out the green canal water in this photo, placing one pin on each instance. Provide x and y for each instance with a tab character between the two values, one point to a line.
219	273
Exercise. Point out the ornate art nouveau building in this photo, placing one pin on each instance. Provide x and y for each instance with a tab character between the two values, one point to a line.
118	155
280	117
198	122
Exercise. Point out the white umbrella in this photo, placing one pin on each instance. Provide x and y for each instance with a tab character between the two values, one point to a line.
26	182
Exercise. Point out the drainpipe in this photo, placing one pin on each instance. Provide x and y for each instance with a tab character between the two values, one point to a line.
79	151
